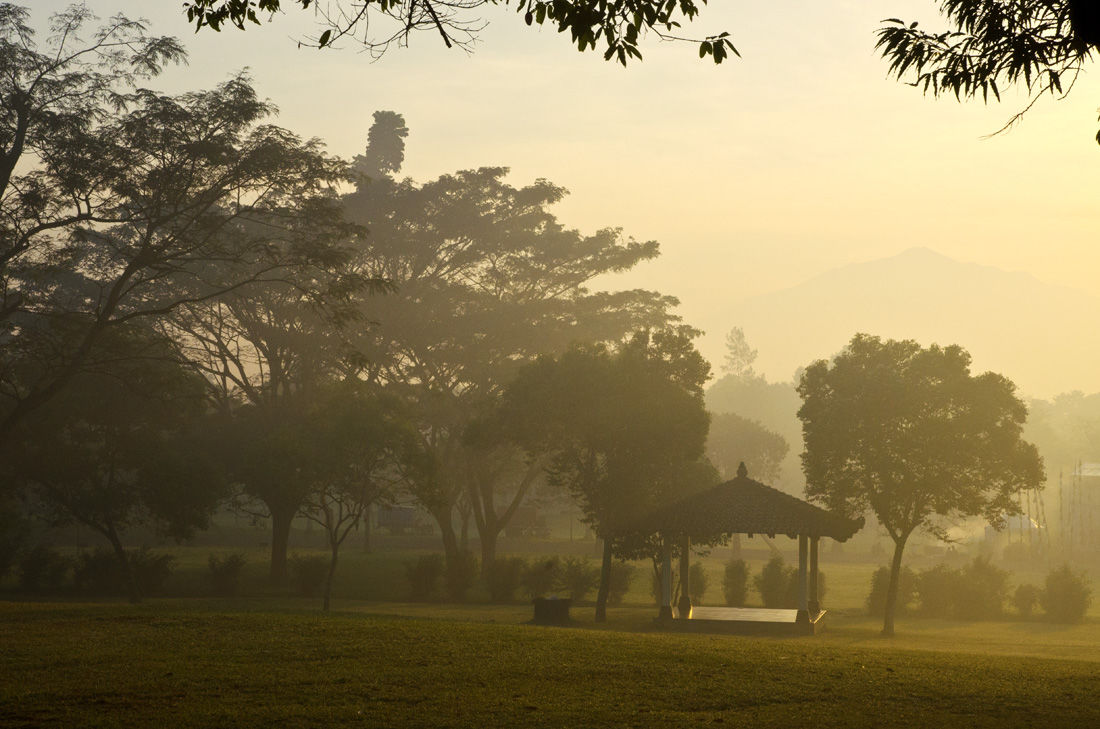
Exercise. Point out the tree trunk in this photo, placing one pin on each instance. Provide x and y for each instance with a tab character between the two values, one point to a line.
464	538
280	539
367	514
335	547
488	551
605	583
132	591
451	548
892	589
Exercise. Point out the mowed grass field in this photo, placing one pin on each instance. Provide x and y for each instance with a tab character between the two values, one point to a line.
269	663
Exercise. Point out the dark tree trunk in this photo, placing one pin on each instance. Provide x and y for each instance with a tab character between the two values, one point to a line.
367	546
132	591
605	583
335	547
464	538
488	550
451	548
281	519
892	589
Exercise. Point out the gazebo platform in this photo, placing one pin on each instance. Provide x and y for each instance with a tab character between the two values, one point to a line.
745	621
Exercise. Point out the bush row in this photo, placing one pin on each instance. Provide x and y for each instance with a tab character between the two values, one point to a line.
93	573
512	578
980	591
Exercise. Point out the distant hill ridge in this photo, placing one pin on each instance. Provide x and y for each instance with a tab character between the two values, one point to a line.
1044	337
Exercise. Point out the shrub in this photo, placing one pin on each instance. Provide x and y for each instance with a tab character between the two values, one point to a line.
308	574
99	572
698	583
504	577
735	583
43	569
880	583
1067	596
773	582
936	588
225	574
981	591
790	595
622	575
13	536
151	570
542	577
978	591
1025	600
425	576
460	575
579	577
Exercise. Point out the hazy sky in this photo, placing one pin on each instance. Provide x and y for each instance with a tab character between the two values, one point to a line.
753	175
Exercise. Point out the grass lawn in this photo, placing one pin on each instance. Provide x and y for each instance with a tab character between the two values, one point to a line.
179	663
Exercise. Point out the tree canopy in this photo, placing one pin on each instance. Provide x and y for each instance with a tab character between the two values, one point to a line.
122	447
486	279
908	433
624	432
990	45
734	440
378	24
119	203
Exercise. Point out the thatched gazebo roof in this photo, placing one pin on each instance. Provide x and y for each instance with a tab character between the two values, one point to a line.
745	506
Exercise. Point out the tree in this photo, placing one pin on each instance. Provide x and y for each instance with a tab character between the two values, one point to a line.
734	440
357	443
589	22
267	351
623	432
773	405
51	101
739	355
486	280
385	153
908	433
122	447
148	203
1041	45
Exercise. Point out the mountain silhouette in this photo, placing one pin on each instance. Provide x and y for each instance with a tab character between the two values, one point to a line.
1042	336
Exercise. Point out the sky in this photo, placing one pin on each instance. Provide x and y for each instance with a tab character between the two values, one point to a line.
755	175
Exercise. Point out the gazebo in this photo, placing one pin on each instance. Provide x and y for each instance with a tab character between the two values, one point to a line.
745	506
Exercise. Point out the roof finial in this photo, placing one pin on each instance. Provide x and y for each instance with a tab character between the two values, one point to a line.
742	472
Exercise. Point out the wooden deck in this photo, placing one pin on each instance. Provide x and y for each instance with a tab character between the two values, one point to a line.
745	621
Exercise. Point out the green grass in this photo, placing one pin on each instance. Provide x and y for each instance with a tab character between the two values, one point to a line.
205	663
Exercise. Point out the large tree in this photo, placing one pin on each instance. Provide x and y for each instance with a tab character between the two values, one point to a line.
268	351
378	24
348	446
122	446
991	45
622	431
909	434
136	203
486	279
734	440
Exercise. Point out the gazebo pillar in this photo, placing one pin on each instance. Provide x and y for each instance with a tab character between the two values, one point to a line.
803	616
814	602
684	605
666	582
